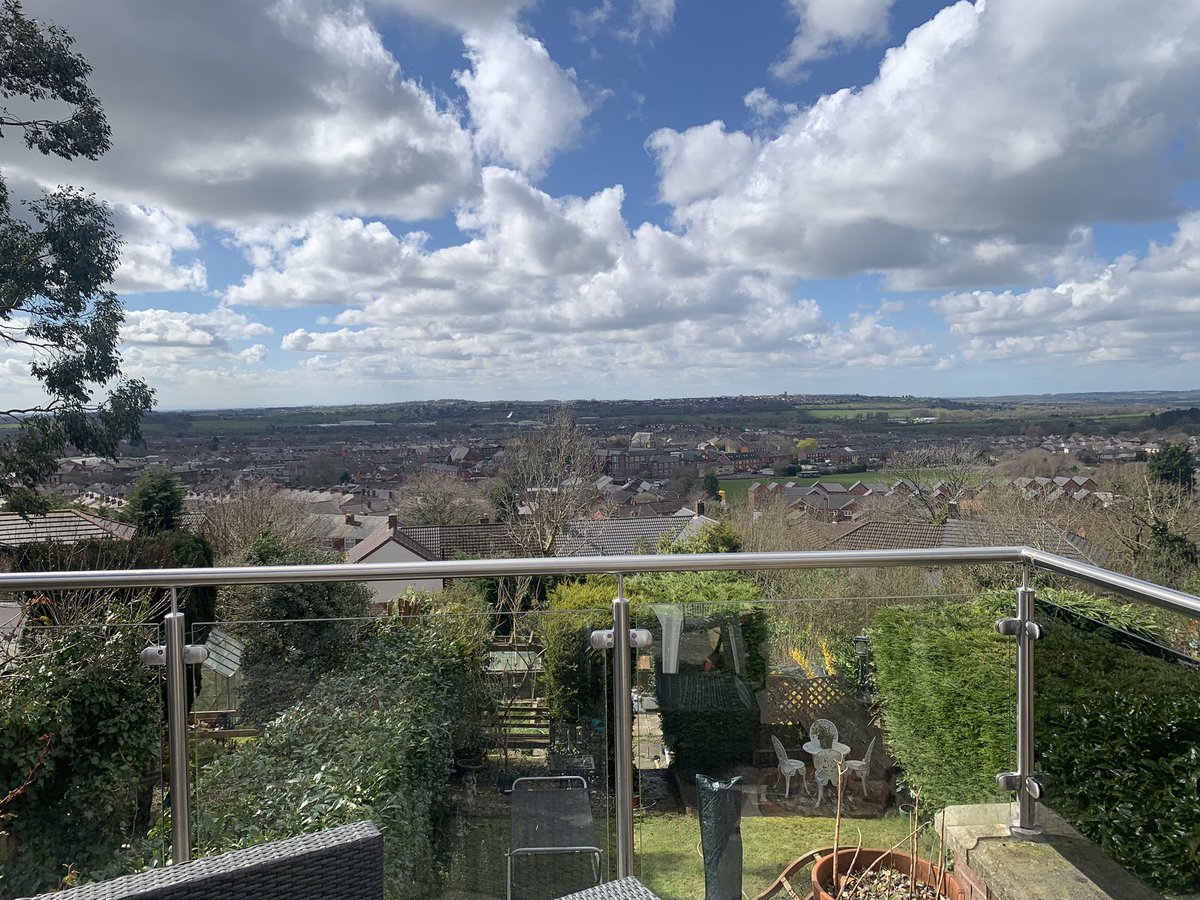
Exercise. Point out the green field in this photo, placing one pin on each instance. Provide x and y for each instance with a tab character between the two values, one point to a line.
854	412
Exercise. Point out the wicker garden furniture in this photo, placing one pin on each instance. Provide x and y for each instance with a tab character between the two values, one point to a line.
344	862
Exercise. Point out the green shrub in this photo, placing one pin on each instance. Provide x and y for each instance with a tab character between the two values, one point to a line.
86	688
573	674
372	741
1134	618
1118	736
946	682
1118	732
293	633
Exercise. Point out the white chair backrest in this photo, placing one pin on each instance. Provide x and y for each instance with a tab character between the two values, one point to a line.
823	728
827	763
867	756
779	751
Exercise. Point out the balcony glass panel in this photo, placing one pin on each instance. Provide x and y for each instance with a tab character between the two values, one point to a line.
770	700
426	722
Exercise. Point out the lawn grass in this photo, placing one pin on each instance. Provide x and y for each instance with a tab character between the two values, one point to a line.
667	848
666	854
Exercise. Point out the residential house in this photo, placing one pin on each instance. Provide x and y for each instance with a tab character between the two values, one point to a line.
584	537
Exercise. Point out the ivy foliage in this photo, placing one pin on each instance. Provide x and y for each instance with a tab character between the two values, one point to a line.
86	688
373	740
1118	732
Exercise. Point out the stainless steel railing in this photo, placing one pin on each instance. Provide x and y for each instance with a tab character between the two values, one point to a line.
1023	782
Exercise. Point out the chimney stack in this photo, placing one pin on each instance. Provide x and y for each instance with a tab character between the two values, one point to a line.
392	523
350	520
699	507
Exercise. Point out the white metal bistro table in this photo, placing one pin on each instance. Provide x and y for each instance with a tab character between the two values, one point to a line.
624	889
812	747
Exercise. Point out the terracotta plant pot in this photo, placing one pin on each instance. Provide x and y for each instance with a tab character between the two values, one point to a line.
927	873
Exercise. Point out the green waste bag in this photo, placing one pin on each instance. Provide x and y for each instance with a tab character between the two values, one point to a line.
721	837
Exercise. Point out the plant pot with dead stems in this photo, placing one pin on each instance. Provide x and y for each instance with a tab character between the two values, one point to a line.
873	874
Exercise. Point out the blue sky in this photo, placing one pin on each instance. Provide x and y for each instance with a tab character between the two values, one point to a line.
327	201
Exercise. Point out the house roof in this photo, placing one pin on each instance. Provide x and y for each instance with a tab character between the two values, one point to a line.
60	526
469	541
891	536
966	533
584	537
615	537
331	526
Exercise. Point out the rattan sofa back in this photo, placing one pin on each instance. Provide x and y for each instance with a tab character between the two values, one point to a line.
344	862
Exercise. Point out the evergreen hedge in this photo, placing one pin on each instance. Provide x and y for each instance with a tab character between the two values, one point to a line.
1118	733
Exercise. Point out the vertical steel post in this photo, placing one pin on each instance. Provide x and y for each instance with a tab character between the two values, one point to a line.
181	843
623	729
1027	786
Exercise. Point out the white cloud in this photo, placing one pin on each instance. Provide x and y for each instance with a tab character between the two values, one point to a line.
461	14
524	107
827	24
235	112
765	108
1136	309
984	142
651	17
645	18
701	162
152	237
254	355
211	331
550	290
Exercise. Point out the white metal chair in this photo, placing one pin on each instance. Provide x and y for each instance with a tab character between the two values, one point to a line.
861	767
827	769
823	728
788	767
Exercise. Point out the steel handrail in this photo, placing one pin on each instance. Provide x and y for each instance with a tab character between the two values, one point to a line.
630	564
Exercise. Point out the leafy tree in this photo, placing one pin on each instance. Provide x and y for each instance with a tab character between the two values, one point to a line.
807	445
711	485
156	502
56	262
1173	464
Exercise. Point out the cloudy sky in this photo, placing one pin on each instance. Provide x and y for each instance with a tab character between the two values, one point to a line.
399	199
